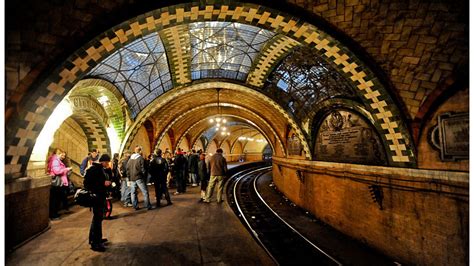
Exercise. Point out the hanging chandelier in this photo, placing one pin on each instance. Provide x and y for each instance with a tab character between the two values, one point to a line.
218	121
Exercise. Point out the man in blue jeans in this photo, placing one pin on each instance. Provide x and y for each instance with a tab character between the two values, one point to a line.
126	196
137	174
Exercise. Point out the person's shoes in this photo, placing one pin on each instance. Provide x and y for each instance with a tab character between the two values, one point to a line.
176	193
103	240
127	205
55	218
137	208
149	208
220	201
206	201
194	185
169	203
98	247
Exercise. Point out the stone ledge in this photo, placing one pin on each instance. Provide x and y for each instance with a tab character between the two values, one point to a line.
409	173
26	183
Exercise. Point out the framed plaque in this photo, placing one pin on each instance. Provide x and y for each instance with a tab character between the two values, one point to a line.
451	136
346	137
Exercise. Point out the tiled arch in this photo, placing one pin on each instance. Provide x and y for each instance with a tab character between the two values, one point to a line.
19	144
173	94
117	109
95	132
282	148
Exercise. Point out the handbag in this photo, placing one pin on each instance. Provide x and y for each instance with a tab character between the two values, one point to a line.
56	181
85	198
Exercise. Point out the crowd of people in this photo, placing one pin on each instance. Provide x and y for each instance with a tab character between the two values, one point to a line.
109	178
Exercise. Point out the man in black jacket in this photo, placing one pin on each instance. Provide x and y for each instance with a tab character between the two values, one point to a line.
159	171
137	174
181	169
193	161
96	181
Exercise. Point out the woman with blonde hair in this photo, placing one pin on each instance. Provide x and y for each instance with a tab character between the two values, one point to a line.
59	182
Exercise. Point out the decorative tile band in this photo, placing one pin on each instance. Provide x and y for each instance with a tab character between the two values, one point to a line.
271	54
176	40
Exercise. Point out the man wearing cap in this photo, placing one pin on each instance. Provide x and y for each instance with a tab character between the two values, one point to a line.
96	181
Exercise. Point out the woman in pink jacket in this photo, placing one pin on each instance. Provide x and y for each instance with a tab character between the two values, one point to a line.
58	193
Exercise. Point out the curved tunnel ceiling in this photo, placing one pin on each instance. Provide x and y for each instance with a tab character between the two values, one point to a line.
298	77
161	63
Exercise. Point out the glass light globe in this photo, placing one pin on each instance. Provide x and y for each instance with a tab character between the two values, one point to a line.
224	121
211	120
218	119
218	124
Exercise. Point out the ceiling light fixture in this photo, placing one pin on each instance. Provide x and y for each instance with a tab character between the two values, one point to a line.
219	122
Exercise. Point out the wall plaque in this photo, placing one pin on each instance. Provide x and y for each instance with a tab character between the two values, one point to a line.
451	136
345	137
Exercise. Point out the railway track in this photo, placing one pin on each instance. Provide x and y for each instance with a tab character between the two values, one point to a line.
284	244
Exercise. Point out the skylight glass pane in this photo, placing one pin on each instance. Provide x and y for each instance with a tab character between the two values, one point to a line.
134	68
303	79
224	46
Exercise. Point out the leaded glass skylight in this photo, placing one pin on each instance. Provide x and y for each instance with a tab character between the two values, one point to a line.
303	79
224	49
139	70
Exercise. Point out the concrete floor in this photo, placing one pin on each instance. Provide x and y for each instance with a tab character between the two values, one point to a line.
185	233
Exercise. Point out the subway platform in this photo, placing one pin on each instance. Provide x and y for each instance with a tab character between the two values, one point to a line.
186	233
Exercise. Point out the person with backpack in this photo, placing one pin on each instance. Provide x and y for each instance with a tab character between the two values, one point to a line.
97	181
159	171
137	174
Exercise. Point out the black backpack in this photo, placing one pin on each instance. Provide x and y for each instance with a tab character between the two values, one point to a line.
159	166
85	198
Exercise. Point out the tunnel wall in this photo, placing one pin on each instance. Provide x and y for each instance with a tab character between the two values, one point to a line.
248	157
26	209
424	218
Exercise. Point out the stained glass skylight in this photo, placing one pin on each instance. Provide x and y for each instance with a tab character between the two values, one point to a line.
303	79
140	71
224	49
